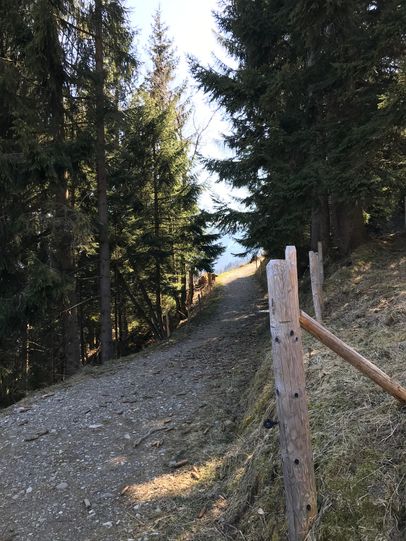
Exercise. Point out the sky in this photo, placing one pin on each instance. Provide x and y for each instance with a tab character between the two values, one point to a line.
192	28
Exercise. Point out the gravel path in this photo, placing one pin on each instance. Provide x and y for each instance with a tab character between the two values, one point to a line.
73	464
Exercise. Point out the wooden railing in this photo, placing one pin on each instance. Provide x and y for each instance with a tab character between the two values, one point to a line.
286	321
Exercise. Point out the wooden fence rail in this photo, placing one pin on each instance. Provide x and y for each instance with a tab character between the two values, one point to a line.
353	357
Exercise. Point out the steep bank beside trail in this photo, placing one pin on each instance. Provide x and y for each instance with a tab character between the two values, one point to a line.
358	431
133	451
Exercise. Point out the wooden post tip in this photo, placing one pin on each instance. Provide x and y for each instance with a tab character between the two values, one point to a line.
274	263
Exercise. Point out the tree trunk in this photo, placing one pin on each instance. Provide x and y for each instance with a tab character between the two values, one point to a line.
158	306
63	236
123	321
183	292
83	347
347	225
116	309
66	267
320	226
191	291
101	174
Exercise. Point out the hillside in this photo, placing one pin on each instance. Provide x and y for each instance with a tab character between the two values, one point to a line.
358	431
171	444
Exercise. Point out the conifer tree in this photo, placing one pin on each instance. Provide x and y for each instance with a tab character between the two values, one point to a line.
101	175
311	141
48	60
156	245
79	147
108	67
36	131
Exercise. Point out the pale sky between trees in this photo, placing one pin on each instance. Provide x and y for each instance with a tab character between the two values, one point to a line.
192	28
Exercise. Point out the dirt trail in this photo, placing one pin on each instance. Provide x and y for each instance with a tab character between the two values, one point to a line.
66	457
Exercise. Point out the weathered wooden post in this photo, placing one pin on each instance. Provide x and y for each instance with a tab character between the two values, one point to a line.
287	355
316	286
168	325
210	280
321	263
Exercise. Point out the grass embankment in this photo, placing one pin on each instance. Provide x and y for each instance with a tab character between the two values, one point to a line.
358	431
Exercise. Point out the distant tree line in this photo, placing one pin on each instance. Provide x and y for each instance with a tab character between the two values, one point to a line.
100	231
316	96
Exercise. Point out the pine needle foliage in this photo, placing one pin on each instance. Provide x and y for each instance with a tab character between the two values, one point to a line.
314	96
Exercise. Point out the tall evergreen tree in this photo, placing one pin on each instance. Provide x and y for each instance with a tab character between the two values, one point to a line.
36	131
311	141
101	175
165	101
108	67
48	60
157	243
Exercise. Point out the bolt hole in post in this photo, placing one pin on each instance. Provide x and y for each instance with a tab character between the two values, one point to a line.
288	366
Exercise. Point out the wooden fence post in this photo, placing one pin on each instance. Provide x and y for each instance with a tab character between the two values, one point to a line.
168	325
321	263
287	355
316	286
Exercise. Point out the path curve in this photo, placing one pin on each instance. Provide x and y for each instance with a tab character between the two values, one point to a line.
72	466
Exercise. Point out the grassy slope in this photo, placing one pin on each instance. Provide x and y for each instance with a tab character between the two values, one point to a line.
358	431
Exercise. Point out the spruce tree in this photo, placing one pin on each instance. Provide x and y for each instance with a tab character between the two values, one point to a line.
156	243
311	141
48	61
101	175
108	67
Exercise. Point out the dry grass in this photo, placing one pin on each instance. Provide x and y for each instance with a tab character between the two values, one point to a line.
358	431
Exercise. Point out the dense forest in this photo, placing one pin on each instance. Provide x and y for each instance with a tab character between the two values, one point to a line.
315	94
100	231
130	409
